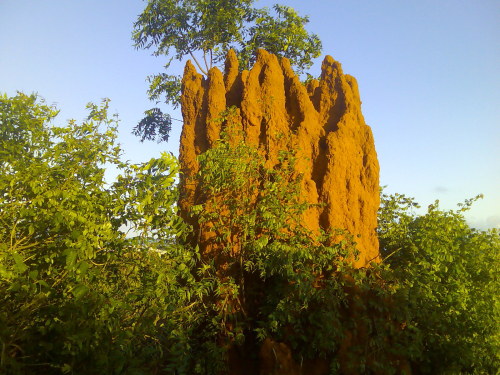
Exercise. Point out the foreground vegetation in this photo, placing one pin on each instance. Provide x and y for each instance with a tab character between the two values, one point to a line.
100	277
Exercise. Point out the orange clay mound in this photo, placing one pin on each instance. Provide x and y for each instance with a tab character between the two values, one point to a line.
324	121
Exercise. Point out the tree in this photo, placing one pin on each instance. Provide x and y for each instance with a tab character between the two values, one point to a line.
205	30
78	295
450	273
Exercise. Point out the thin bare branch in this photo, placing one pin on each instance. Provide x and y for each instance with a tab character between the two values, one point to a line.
197	63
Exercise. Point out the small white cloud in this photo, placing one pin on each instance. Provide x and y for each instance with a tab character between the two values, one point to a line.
441	189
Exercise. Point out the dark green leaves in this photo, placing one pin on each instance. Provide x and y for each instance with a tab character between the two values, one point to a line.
156	125
213	27
191	26
280	32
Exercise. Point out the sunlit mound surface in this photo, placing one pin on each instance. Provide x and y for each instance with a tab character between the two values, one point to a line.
275	111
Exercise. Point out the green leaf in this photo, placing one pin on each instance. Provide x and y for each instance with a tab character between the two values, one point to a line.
70	258
20	267
80	291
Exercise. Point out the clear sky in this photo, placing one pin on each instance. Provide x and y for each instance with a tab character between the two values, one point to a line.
428	72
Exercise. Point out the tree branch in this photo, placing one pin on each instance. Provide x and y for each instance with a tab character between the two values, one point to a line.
205	59
197	63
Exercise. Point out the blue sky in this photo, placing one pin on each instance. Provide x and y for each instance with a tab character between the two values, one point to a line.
428	73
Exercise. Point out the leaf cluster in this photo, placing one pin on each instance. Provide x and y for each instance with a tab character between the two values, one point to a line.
213	27
155	125
205	30
449	272
78	294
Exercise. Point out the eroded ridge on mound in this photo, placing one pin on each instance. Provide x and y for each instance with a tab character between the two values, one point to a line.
323	120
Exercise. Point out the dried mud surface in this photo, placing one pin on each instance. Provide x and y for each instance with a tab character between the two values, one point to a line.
276	111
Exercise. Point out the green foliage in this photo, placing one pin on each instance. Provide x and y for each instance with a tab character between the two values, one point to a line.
155	125
76	294
283	34
213	27
100	277
450	273
206	30
276	279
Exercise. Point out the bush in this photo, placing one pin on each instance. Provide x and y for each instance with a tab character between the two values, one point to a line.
450	275
76	294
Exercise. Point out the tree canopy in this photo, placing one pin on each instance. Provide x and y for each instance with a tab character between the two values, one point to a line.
205	30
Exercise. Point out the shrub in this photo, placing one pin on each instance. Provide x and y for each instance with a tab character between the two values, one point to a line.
450	273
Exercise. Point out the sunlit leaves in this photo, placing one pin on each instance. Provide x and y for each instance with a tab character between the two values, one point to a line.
85	295
99	276
449	270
